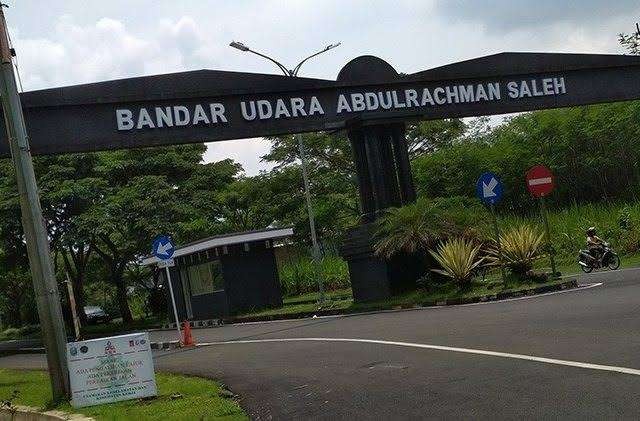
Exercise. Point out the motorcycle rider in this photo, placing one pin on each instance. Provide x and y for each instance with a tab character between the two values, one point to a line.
595	244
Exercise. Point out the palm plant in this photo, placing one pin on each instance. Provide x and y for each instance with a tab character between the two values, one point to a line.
521	246
402	229
421	225
458	258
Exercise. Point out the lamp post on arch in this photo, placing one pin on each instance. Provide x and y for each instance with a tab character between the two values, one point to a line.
303	160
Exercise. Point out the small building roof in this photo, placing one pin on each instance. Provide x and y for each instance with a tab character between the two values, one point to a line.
224	240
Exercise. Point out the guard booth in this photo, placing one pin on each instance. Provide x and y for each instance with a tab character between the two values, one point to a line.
226	274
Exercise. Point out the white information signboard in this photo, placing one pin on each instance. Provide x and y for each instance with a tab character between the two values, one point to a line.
111	369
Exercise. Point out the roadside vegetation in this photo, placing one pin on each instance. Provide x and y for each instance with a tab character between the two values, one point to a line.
179	398
341	302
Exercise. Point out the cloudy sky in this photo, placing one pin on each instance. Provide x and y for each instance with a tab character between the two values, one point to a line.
67	42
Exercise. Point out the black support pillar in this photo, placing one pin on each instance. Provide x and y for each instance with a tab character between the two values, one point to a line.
401	156
384	180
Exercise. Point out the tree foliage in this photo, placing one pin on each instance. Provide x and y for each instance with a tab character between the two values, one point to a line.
593	152
332	178
103	209
108	206
631	42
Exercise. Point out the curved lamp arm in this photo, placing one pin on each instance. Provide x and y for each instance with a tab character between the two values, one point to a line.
296	69
284	69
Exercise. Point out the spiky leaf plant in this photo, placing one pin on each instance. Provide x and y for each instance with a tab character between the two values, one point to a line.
458	258
521	246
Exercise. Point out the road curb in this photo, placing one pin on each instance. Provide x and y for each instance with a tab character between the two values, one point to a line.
569	284
157	346
27	413
31	350
194	324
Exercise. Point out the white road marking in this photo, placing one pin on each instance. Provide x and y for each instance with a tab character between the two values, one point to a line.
623	370
538	181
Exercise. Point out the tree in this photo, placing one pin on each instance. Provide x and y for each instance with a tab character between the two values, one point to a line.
16	296
124	225
248	204
141	199
631	42
15	280
592	150
332	179
69	188
205	192
148	192
429	136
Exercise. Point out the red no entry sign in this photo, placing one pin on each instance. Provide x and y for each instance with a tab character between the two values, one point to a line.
540	181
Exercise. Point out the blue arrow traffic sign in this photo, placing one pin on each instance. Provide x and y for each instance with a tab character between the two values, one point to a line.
489	189
163	247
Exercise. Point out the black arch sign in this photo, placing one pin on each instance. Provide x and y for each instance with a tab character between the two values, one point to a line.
206	105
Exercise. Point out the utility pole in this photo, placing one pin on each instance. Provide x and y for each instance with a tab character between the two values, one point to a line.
316	254
42	274
312	223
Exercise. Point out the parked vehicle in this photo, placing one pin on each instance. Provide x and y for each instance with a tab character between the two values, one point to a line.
96	315
607	259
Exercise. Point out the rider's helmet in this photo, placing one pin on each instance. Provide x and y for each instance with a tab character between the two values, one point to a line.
591	231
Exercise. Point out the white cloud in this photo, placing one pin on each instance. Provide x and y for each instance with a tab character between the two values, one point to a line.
105	49
504	16
246	151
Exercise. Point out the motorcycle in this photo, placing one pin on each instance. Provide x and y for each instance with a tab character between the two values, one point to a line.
608	259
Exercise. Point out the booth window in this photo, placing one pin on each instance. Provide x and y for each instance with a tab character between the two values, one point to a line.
205	278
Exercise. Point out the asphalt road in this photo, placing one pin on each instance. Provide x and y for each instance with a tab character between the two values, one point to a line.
509	360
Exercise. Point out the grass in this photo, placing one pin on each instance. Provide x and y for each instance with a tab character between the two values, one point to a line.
617	223
179	398
296	308
448	291
569	266
342	301
312	297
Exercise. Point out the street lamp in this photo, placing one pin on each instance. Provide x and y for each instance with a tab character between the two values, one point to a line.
294	73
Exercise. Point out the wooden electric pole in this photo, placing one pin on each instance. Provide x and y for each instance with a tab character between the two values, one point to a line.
40	265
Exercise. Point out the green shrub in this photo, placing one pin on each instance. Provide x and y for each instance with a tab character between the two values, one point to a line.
458	258
27	331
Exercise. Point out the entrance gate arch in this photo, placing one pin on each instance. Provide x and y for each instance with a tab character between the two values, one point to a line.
369	99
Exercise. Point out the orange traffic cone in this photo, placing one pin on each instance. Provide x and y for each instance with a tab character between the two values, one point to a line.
187	339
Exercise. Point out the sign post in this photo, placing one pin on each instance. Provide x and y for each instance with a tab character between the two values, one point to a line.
163	249
540	182
489	190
